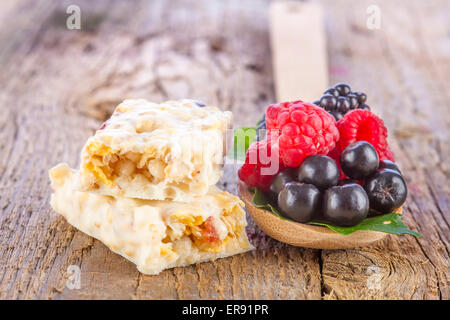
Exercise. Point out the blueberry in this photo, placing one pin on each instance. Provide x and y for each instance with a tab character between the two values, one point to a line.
332	91
328	102
280	180
364	106
359	160
386	189
342	88
353	101
362	97
318	170
346	181
299	201
343	104
345	205
388	164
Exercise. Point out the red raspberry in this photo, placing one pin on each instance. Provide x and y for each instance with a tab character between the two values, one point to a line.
304	130
260	155
387	155
360	125
272	112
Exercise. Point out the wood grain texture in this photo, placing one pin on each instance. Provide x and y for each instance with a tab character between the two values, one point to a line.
58	85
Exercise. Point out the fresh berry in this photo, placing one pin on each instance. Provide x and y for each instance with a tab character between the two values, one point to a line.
328	102
386	190
339	100
332	91
337	115
316	102
359	160
359	125
388	164
343	104
304	129
280	180
299	201
275	114
318	170
345	205
346	181
257	171
362	97
387	155
335	154
342	88
364	106
353	99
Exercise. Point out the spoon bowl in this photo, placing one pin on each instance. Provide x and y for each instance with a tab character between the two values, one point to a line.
305	235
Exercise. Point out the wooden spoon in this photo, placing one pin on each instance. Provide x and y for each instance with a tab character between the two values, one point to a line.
304	235
299	53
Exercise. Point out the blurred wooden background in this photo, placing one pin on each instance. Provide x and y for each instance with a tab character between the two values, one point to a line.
58	85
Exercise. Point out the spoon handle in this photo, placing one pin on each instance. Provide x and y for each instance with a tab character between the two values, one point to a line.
299	53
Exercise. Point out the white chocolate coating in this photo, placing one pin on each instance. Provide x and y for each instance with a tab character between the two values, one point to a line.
173	150
155	235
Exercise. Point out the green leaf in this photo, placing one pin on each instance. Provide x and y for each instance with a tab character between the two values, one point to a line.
242	139
388	223
260	200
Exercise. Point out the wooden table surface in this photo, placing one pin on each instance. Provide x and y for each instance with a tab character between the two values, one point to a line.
58	85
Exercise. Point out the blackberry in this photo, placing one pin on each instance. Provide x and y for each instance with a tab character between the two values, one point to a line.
353	99
337	115
342	88
334	92
361	97
343	104
339	99
364	107
299	201
328	102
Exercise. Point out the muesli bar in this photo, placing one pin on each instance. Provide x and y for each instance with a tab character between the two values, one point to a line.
154	234
173	150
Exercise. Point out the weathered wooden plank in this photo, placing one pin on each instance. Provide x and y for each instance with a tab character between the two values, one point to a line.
392	66
58	85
